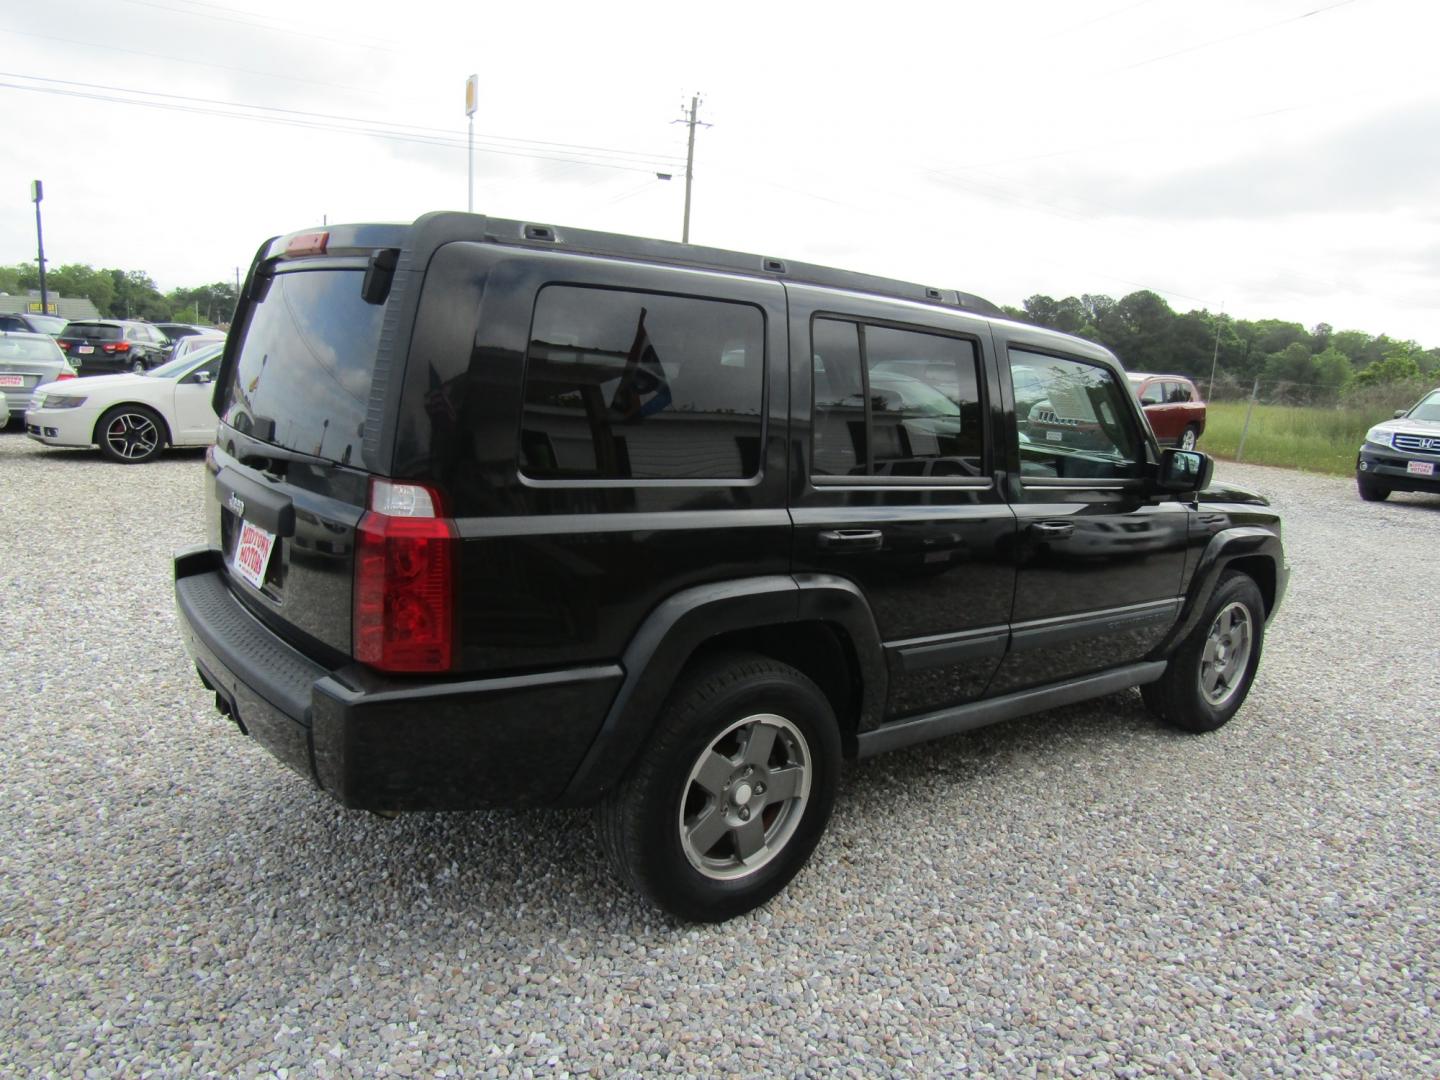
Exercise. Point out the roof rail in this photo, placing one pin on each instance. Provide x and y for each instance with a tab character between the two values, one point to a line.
433	229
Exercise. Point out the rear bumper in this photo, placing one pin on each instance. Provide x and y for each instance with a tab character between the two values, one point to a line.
388	744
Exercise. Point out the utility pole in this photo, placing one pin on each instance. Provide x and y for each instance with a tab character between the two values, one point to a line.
472	102
37	193
1215	359
689	162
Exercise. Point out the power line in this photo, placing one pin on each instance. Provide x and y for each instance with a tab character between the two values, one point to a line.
108	48
258	25
1233	37
539	148
392	136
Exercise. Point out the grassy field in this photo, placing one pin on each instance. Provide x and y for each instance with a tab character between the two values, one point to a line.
1314	439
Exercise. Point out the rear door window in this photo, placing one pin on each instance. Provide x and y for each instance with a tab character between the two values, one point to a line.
302	380
893	402
634	386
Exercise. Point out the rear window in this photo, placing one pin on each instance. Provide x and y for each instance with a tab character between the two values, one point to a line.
92	331
642	386
29	349
303	377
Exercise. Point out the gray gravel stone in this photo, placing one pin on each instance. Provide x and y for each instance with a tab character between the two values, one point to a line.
1080	892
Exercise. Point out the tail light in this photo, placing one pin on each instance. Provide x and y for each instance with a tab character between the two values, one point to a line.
63	376
404	617
119	346
64	345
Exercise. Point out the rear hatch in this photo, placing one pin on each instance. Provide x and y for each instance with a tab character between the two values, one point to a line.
25	362
287	484
96	348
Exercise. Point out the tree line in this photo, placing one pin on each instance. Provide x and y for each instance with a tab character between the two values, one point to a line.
126	294
1321	364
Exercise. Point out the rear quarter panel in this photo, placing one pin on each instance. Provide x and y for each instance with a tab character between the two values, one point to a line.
562	572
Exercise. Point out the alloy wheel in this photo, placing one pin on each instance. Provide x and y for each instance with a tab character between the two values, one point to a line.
1226	654
745	796
132	436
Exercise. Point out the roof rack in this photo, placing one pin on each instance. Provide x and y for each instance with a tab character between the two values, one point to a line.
436	228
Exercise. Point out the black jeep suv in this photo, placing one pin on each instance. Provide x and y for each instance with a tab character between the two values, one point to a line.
501	513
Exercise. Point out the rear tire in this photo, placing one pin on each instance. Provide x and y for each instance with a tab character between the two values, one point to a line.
1210	674
1370	491
729	798
130	434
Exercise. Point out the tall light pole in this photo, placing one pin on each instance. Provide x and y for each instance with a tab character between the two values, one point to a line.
472	100
37	193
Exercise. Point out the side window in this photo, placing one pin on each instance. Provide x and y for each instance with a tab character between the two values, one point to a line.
7	323
1180	393
1072	419
642	386
1154	394
891	402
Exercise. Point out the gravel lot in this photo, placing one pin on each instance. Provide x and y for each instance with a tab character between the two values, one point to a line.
1082	891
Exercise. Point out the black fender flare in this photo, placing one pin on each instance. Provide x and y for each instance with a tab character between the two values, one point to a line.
1226	546
681	624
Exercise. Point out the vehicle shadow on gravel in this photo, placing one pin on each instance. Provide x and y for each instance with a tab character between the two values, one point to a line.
524	875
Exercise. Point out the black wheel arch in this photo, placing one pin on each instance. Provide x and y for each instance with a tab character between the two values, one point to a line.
1249	549
819	624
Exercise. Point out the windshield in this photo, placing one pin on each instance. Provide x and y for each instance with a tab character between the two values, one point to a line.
1428	407
187	363
302	380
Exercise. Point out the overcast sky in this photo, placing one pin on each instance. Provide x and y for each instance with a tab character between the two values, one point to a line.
1278	157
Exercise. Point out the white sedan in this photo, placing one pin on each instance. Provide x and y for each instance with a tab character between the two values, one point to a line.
130	417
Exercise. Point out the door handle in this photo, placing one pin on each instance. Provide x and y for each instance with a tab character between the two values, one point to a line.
1053	530
851	539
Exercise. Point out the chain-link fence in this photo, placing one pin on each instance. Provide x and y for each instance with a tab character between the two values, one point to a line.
1299	424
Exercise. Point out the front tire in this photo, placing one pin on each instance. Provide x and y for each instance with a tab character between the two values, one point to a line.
1189	437
728	800
130	434
1370	491
1210	674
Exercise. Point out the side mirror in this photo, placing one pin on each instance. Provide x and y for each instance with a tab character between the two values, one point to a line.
204	378
1400	413
1185	470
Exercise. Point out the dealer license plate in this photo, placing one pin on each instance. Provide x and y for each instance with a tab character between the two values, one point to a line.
1422	468
86	349
252	553
12	380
